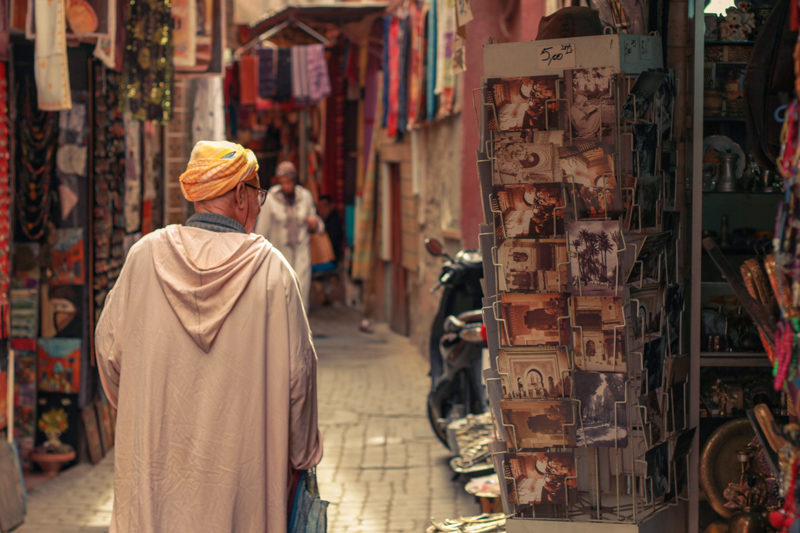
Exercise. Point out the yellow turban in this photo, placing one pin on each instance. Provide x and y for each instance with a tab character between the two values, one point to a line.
216	167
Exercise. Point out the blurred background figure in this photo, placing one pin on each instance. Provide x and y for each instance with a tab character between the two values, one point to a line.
287	220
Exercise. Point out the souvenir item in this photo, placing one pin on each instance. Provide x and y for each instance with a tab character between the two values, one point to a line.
538	423
592	112
81	17
603	411
540	479
588	171
58	365
537	265
524	103
534	375
147	66
530	210
50	56
598	332
594	266
539	319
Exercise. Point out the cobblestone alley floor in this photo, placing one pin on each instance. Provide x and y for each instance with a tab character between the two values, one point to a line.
383	469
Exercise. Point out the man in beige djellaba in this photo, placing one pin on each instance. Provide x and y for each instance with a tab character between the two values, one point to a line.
204	348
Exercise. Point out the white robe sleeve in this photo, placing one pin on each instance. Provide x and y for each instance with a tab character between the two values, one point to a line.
305	442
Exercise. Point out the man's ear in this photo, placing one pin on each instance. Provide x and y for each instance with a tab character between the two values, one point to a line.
240	195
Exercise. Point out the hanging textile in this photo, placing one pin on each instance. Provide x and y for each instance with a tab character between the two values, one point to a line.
430	75
267	84
393	68
38	138
363	249
106	48
133	174
248	80
71	161
147	65
50	56
208	119
152	178
5	202
284	91
334	162
386	25
402	74
445	73
416	63
109	167
300	90
319	81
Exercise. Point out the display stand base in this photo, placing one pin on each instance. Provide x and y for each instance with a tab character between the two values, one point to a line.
670	519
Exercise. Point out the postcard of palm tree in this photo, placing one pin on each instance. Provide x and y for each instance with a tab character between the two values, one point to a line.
529	210
532	424
538	319
588	171
532	265
539	374
603	411
598	333
523	103
594	265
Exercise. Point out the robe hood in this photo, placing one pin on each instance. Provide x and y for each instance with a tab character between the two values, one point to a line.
203	274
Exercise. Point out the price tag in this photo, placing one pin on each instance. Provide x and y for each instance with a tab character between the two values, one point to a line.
555	57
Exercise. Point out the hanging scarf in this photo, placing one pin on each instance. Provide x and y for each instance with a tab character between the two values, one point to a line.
386	25
319	81
416	63
300	89
50	56
248	80
430	75
148	68
106	48
403	41
267	84
445	73
394	77
284	91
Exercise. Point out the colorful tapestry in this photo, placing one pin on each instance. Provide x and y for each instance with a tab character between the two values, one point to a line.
58	365
148	68
24	313
68	260
61	314
5	200
132	204
62	407
416	63
24	388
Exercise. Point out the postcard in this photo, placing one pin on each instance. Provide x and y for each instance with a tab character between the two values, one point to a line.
525	163
524	103
539	423
534	375
649	302
539	319
592	112
532	265
540	477
588	172
594	266
657	471
530	210
648	265
603	411
653	355
598	333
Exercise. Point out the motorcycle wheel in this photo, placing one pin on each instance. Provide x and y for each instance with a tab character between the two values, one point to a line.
438	430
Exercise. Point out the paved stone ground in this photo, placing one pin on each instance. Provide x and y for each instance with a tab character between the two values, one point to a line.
383	470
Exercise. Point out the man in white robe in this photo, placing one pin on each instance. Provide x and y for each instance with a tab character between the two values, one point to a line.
287	221
204	348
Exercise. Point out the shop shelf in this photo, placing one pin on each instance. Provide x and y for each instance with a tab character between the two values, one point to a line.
757	359
722	118
741	43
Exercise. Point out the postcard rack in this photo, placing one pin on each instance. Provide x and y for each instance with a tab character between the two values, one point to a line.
584	300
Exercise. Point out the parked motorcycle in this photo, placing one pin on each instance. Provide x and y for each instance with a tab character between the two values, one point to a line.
457	341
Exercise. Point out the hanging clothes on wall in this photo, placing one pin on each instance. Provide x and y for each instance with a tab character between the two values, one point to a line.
319	81
416	63
5	202
133	174
431	99
445	73
50	56
267	63
248	80
147	80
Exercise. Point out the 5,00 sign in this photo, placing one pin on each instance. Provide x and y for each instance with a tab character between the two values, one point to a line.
556	57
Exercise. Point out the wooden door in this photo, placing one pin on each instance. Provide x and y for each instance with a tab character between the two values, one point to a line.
399	321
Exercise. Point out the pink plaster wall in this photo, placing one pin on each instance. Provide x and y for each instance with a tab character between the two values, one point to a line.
523	25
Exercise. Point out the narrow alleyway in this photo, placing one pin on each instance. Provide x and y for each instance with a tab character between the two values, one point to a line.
383	470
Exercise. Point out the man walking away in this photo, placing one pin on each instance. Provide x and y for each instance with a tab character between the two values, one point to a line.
204	348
